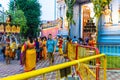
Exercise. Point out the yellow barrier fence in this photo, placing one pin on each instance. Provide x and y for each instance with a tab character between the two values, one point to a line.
90	70
93	69
83	63
72	51
76	51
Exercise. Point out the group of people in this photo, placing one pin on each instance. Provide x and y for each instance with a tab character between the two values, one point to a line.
88	40
9	50
35	49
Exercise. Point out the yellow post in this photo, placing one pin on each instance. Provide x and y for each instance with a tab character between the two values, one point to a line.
44	77
58	75
105	66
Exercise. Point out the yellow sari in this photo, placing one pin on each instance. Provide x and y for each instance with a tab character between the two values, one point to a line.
30	61
13	47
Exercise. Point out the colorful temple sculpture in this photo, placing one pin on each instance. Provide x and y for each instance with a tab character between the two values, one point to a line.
9	28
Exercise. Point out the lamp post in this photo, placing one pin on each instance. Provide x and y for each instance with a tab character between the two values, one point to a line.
2	12
54	9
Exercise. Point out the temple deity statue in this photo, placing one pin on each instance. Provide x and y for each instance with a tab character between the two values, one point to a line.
107	15
8	20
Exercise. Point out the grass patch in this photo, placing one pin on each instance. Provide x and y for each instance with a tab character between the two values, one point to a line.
113	61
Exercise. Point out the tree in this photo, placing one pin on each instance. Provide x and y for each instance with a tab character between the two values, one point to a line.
19	18
32	13
69	12
99	6
31	9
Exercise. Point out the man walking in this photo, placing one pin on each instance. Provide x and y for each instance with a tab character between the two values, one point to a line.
50	48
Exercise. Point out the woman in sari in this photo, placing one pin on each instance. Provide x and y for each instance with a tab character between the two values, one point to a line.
44	52
92	42
41	48
60	45
21	54
30	55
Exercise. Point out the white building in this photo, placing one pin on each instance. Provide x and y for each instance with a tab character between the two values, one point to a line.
48	9
61	13
2	14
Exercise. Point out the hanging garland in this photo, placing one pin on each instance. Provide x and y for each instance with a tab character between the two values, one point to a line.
69	12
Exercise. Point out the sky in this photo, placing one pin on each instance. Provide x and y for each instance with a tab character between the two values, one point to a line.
5	4
47	8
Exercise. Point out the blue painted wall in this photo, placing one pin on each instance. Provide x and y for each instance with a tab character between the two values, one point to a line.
75	29
110	33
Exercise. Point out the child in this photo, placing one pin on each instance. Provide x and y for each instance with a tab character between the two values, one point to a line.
91	42
8	53
18	51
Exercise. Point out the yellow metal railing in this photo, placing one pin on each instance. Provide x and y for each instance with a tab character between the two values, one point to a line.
93	69
43	71
76	51
90	70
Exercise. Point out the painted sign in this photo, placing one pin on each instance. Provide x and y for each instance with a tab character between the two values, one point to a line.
52	30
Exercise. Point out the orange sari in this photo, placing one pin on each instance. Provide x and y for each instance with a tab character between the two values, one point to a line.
8	51
44	52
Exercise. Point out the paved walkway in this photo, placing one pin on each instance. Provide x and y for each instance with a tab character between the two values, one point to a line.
113	75
15	68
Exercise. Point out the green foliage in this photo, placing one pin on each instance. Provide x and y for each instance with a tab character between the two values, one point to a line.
113	61
99	6
19	18
11	6
69	13
31	9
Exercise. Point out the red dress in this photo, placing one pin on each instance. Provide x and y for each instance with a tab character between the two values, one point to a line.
8	40
60	43
92	43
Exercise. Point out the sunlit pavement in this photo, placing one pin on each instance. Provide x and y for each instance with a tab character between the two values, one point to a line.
16	68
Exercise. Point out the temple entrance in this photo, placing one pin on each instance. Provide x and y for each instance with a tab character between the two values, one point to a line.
87	16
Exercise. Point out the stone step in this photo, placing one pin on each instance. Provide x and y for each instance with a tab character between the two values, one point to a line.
110	37
109	41
113	50
71	78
